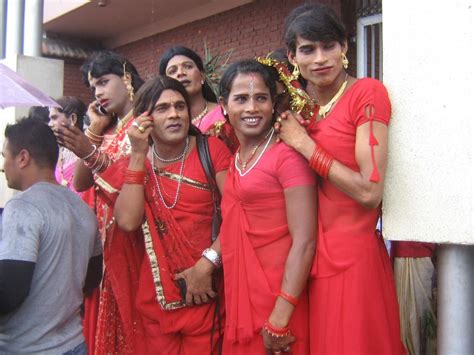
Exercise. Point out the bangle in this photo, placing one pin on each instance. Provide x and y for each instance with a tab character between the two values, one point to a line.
94	138
94	149
134	177
321	162
289	298
274	331
213	256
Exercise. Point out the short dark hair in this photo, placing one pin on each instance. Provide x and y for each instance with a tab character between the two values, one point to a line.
35	137
39	113
70	105
246	66
150	93
313	22
189	53
108	62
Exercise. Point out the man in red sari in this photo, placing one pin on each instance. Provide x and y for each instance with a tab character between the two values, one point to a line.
165	207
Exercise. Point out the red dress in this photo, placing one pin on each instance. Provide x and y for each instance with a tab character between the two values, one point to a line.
353	302
255	243
172	241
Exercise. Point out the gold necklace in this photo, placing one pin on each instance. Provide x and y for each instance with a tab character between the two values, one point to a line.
244	163
324	109
199	117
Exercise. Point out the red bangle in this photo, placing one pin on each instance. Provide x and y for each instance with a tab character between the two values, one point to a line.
321	162
274	331
289	298
134	177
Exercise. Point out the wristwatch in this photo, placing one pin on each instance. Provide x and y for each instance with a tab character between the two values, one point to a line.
212	256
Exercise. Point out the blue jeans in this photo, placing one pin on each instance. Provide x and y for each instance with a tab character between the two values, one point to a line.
81	349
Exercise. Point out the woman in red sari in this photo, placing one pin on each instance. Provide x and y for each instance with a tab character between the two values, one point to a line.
352	294
268	233
165	206
108	325
186	66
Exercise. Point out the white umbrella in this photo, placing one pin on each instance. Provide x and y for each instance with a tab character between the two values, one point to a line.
16	91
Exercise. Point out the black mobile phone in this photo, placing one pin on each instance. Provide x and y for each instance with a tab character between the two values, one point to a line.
101	109
183	289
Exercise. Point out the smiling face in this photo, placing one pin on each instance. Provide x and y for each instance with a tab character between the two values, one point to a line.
186	71
320	62
249	106
170	119
111	92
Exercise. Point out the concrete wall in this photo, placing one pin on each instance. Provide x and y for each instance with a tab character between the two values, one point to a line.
47	75
428	51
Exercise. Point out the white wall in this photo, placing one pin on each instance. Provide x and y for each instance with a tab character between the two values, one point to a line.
46	74
429	71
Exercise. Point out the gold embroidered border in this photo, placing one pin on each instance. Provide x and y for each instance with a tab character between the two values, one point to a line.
186	180
155	270
105	185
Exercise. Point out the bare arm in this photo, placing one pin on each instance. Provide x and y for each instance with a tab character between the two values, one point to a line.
301	210
199	276
76	141
356	185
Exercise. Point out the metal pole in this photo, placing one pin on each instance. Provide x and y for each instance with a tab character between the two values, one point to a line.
33	36
15	20
455	300
3	27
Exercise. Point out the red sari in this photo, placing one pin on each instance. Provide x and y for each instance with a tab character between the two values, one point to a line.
255	243
353	301
172	241
106	309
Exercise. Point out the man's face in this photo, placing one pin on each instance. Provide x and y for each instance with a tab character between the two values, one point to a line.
10	167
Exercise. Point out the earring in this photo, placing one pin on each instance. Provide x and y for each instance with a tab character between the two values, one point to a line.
296	72
224	112
345	61
202	82
273	111
129	87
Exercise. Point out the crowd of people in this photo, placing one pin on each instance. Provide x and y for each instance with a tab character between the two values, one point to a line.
184	221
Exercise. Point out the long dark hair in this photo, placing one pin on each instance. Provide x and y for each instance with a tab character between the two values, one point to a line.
313	22
246	66
150	93
70	105
189	53
108	62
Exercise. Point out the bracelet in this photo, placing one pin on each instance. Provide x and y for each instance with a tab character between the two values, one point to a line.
289	298
94	149
321	162
134	177
213	256
94	138
93	134
274	331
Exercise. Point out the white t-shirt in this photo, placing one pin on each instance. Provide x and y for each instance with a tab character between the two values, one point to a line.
51	226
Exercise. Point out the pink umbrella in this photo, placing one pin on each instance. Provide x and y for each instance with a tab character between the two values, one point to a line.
16	91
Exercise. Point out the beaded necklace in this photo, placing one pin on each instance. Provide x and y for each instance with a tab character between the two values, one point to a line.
172	160
244	172
199	117
65	156
181	170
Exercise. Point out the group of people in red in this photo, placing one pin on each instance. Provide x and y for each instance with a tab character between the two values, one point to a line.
297	266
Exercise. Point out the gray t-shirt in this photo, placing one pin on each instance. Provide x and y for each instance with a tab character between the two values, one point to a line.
51	226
